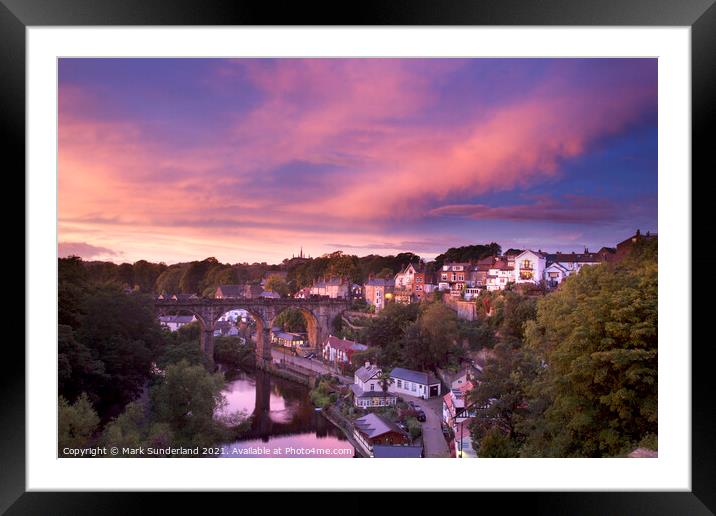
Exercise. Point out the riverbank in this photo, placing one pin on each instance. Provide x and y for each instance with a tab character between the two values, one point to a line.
346	426
283	421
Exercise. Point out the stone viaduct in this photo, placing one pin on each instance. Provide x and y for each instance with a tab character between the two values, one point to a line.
319	314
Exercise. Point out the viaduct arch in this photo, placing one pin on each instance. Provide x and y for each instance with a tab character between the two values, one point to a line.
319	314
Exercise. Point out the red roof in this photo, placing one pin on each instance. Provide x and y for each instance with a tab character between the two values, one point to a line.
343	345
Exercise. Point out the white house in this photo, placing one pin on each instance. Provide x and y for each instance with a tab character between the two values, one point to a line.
337	350
562	265
555	273
499	275
414	383
368	390
529	266
406	277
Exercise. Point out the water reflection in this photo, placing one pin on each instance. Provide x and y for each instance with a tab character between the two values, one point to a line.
284	422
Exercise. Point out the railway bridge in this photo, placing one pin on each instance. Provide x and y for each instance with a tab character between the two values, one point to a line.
319	314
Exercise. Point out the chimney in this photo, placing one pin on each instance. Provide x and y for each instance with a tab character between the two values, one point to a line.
367	365
638	232
586	250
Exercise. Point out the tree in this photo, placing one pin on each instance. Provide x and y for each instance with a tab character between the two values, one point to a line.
186	400
128	429
76	423
192	279
502	393
385	381
78	370
597	336
277	284
291	319
496	444
467	253
122	332
432	340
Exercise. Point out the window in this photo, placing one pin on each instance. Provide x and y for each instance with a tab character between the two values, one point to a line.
461	277
412	387
400	384
372	386
444	277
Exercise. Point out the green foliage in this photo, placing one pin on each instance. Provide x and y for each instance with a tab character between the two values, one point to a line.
324	393
478	333
277	284
230	352
575	375
128	429
107	338
503	389
78	371
415	429
182	410
598	335
431	341
188	350
77	423
496	444
186	400
292	320
467	253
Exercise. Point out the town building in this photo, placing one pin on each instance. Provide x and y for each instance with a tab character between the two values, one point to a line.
372	429
335	288
414	383
177	297
406	277
454	277
625	246
529	266
500	274
412	283
174	322
367	388
562	265
377	291
287	339
340	351
224	328
303	293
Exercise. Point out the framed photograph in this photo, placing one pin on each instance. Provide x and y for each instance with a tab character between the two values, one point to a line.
457	238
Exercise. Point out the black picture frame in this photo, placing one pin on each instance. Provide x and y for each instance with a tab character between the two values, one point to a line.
700	15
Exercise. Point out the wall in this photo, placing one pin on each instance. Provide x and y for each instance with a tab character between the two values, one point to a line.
465	309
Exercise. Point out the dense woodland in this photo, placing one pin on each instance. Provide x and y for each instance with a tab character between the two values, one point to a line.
202	277
124	380
573	372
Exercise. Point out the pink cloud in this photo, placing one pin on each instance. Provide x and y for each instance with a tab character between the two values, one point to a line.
369	118
572	209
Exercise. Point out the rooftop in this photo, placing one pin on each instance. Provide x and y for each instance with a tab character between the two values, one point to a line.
345	345
366	372
414	376
382	451
372	425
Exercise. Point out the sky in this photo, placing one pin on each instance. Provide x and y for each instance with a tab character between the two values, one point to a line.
248	160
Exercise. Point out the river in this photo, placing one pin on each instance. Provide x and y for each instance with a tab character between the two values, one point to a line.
284	422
